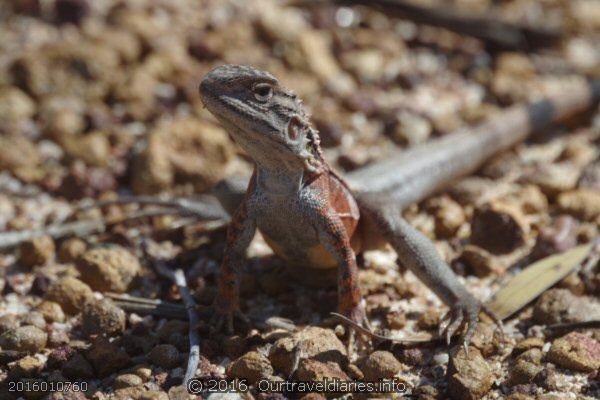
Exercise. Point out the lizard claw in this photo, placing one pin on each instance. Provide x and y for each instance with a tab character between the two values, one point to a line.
358	323
225	316
461	314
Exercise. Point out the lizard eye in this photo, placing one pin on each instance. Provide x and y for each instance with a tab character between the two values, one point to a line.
262	91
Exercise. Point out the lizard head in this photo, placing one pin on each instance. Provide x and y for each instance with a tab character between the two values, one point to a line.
264	118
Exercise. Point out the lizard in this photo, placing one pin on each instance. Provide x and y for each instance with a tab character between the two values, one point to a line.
317	221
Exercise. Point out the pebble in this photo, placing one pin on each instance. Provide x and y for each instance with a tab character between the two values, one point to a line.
553	179
469	376
561	305
77	367
51	311
481	261
108	269
316	343
182	148
71	249
441	358
310	370
581	203
523	372
24	338
126	380
153	395
498	228
70	293
575	351
106	357
102	317
34	318
556	238
8	322
528	343
26	367
165	355
251	366
36	251
379	365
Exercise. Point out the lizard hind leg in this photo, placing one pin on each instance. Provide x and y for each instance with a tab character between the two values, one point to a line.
417	253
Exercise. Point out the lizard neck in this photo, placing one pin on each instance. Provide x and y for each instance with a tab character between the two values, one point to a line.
279	181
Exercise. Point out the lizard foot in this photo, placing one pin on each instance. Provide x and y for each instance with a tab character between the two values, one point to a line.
358	323
464	313
224	316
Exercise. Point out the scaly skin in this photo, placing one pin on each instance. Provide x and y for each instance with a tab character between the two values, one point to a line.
308	213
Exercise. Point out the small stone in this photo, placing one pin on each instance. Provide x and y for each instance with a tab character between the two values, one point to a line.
411	129
60	356
25	338
185	149
165	355
234	346
413	356
582	203
449	217
8	322
315	371
181	393
251	366
34	318
71	11
553	179
533	355
556	238
429	320
575	351
36	251
557	306
523	372
70	293
469	376
15	105
480	261
71	249
127	380
379	365
484	339
528	343
102	317
498	228
106	357
315	342
8	356
51	311
153	395
590	177
26	367
108	269
396	320
77	367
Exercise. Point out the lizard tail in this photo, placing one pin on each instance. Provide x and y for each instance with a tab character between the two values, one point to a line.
413	174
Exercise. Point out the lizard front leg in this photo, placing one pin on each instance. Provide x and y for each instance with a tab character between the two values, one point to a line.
333	236
418	253
239	234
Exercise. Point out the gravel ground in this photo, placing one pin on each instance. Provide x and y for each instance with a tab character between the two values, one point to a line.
99	100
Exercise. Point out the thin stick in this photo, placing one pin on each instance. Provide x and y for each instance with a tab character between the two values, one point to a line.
370	333
178	278
190	305
77	228
498	34
204	209
571	326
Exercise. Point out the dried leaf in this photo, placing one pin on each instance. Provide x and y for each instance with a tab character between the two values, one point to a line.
534	280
